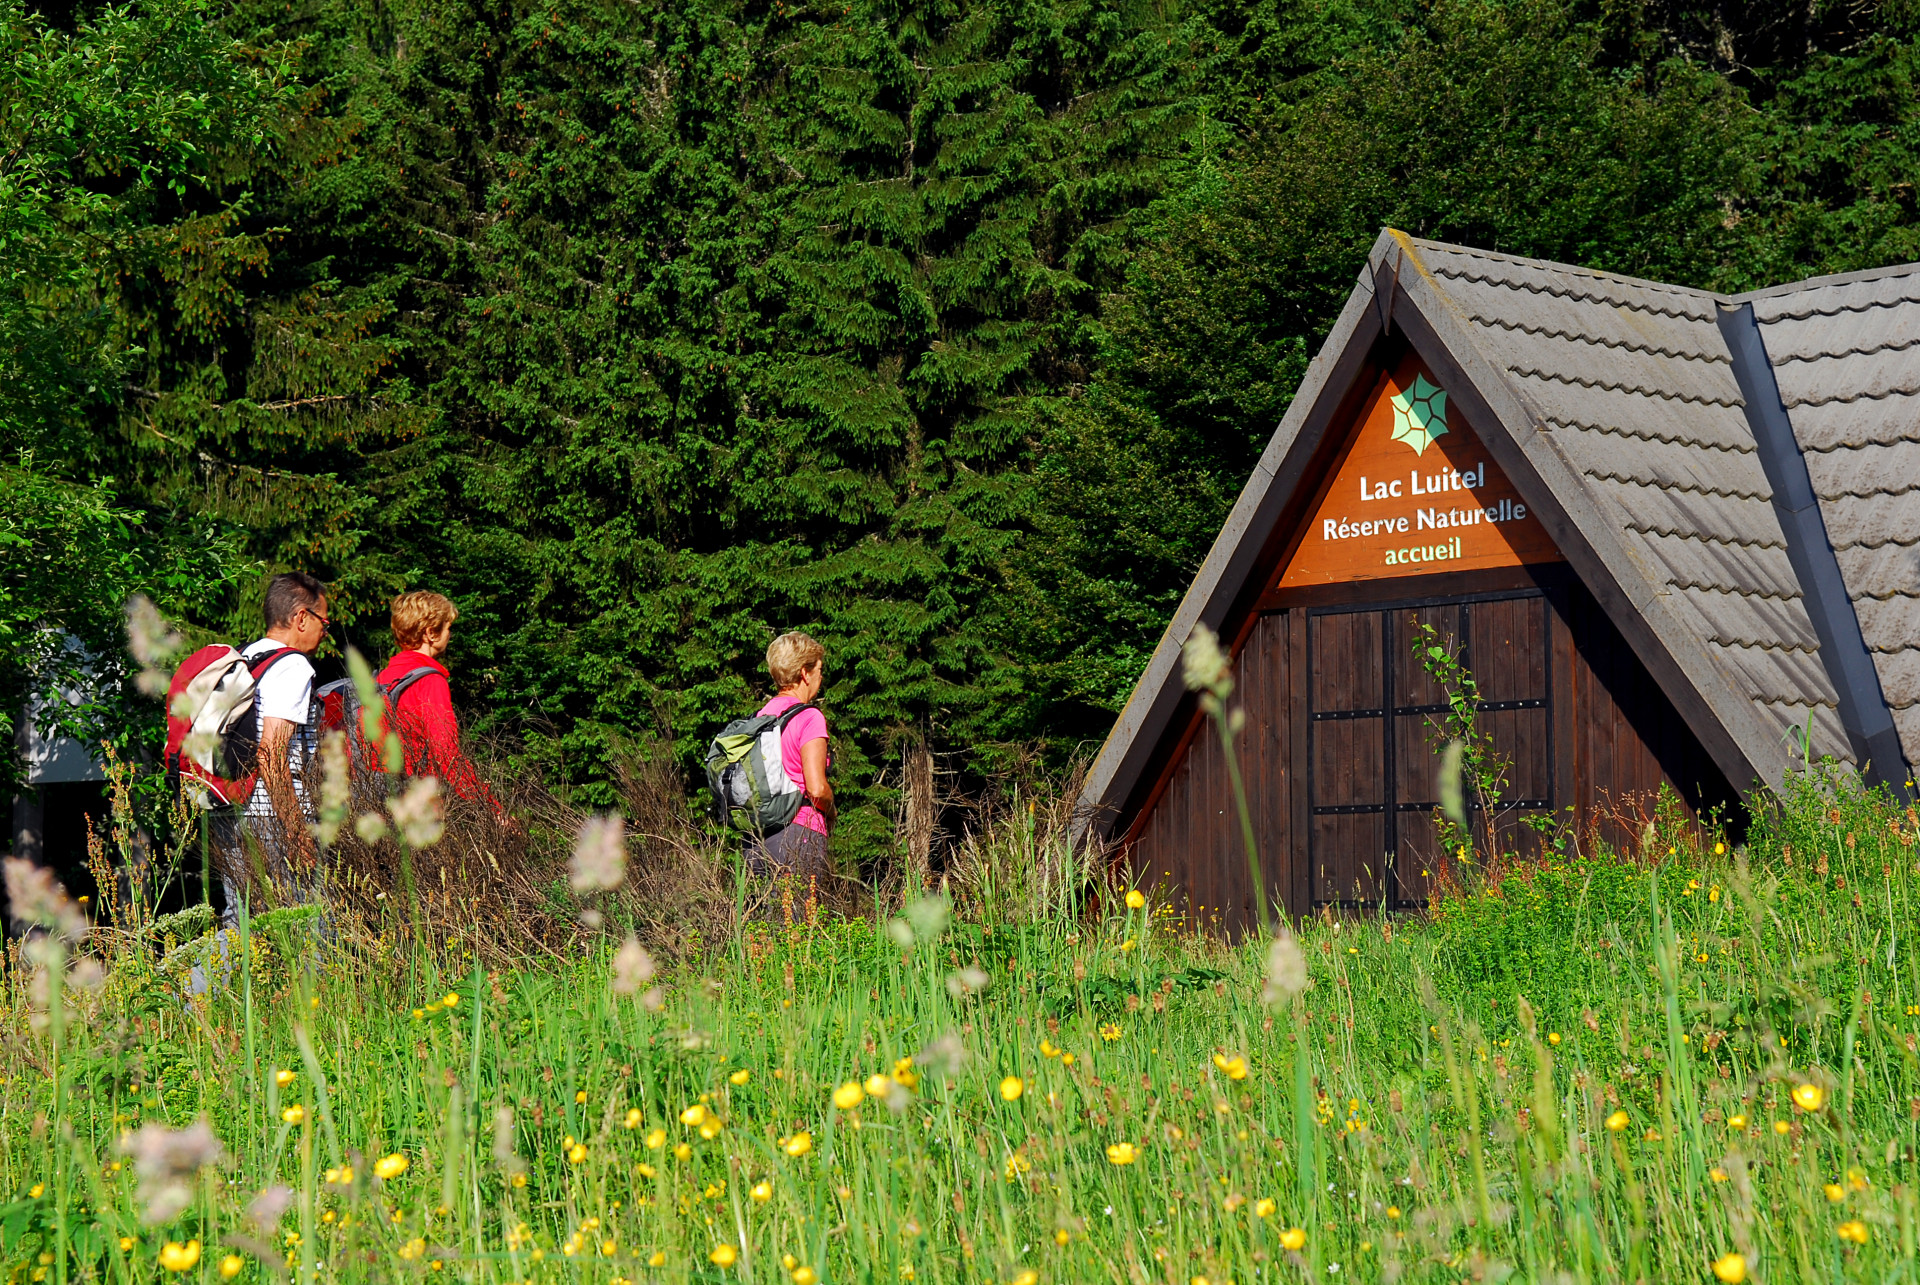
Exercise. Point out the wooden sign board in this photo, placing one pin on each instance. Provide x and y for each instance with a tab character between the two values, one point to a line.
1413	493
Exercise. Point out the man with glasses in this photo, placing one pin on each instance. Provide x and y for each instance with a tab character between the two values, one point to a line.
276	814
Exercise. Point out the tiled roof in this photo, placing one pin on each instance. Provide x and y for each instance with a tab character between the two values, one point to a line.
1846	355
1634	385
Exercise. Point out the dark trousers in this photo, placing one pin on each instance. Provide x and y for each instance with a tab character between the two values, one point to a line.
792	850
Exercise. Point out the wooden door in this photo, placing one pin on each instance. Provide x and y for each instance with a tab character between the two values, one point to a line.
1376	725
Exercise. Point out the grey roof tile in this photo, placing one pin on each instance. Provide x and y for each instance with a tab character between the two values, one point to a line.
1751	620
1879	572
1829	737
1869	375
1894	418
1731	568
1891	469
1657	419
1907	723
1870	521
1716	519
1828	296
1607	455
1537	277
1899	676
1889	624
1796	341
1578	364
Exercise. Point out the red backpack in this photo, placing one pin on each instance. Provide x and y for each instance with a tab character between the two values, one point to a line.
341	711
213	724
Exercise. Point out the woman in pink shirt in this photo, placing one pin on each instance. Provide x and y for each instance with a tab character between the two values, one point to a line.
797	664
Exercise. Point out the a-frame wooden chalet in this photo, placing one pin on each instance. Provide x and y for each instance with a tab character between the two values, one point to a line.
1673	532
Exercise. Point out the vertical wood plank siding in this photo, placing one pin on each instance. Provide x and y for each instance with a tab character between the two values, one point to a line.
1340	757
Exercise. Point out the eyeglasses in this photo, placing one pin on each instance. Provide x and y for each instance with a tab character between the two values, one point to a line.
324	621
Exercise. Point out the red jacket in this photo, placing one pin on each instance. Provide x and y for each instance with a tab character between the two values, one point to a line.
429	730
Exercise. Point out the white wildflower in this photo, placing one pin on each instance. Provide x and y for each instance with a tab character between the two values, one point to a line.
1286	970
632	967
38	901
945	1057
152	643
968	981
167	1162
419	813
371	827
336	787
1206	667
269	1207
599	855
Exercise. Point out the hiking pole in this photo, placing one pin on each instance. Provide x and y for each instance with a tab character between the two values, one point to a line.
206	865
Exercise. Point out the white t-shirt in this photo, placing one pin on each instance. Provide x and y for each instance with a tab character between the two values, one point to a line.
284	691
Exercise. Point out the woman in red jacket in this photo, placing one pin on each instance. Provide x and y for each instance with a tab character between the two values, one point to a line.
423	706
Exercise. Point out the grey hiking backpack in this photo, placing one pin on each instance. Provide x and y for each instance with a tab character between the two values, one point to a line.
750	785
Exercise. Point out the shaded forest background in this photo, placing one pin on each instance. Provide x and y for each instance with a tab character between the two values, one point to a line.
646	329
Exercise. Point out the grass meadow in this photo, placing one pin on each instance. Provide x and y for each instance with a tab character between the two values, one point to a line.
1675	1062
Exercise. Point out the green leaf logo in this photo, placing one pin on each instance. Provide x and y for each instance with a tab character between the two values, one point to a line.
1419	414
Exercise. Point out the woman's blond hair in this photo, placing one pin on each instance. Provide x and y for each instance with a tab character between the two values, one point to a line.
791	655
419	615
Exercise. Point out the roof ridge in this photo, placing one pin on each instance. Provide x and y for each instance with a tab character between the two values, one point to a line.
1571	269
1618	387
1685	488
1889	271
1603	341
1856	350
1646	435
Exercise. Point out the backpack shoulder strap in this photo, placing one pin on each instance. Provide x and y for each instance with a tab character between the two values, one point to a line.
407	680
259	666
789	715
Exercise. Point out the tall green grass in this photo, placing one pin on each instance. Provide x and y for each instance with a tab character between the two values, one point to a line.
1436	1106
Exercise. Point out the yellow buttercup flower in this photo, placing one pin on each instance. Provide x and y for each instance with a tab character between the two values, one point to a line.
176	1257
283	1077
231	1266
1294	1238
804	1275
390	1167
658	1258
710	1127
693	1115
798	1145
682	1151
1235	1067
449	999
848	1096
1061	1236
740	1077
1011	1088
656	1139
878	1085
1136	898
724	1256
1782	1128
904	1075
1618	1121
1809	1097
1853	1230
1048	1050
1264	1207
295	1114
633	1118
1553	1037
1026	1277
762	1191
1717	1174
1736	1122
1730	1269
1122	1153
1835	1192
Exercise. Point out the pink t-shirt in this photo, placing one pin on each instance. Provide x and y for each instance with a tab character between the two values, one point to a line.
808	725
